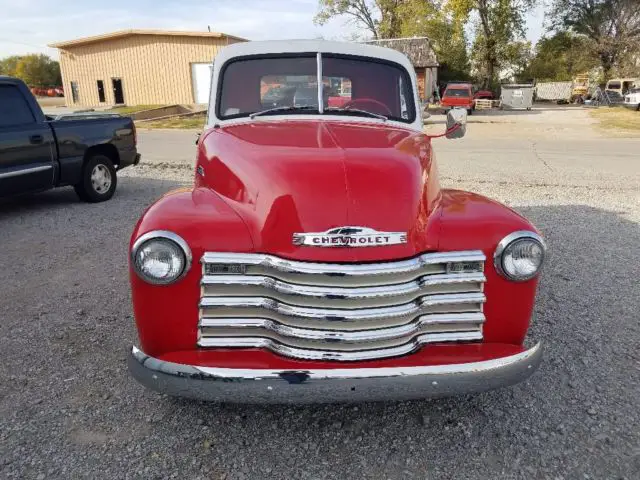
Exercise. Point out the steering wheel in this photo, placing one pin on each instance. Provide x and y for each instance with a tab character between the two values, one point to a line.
370	101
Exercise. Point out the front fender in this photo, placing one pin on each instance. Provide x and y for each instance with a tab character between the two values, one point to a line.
473	222
167	315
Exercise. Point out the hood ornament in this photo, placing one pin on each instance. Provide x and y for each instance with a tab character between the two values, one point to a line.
349	237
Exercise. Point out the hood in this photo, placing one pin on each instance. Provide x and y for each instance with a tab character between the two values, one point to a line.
288	177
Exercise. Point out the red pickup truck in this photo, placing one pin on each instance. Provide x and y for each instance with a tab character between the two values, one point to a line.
458	95
317	257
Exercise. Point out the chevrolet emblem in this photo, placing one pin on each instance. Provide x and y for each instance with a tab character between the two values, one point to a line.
349	237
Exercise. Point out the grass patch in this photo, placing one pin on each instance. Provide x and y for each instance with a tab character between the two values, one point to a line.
617	118
133	109
191	122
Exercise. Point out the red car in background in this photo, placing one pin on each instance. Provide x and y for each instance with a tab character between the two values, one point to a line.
484	95
458	95
338	101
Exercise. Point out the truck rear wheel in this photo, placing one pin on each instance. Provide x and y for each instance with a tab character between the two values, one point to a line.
99	180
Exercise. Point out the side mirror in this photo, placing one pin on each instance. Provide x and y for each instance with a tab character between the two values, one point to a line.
456	123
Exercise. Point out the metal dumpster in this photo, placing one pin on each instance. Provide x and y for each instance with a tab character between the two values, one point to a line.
516	96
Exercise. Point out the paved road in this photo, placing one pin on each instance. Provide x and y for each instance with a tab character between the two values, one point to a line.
531	162
69	409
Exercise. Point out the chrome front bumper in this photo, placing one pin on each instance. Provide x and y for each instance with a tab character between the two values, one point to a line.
330	385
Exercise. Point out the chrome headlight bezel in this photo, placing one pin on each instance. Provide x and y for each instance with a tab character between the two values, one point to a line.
163	235
511	240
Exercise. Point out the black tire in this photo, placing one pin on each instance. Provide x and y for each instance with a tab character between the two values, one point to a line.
469	111
99	180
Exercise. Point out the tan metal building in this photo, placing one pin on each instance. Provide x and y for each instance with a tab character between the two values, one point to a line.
139	67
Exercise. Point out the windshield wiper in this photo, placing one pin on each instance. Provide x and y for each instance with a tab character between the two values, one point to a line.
288	108
357	111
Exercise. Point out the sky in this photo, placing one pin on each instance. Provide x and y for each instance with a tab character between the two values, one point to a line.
27	26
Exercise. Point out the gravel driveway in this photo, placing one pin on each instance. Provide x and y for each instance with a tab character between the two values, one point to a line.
69	409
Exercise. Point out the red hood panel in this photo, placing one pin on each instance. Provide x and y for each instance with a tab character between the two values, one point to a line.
308	176
387	174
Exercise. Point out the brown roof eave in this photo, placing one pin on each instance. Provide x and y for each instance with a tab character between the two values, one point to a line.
128	33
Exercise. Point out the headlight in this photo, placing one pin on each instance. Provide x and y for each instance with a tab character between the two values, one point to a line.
519	256
160	257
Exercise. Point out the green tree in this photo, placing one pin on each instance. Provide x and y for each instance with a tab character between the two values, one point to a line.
8	65
517	59
561	57
408	18
612	26
38	70
499	23
379	17
514	60
428	18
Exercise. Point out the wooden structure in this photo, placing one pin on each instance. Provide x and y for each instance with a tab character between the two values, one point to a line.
422	57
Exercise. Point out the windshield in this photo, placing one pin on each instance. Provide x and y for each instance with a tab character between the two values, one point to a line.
456	92
288	85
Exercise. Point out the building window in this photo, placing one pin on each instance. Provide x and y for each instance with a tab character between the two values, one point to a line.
101	91
74	92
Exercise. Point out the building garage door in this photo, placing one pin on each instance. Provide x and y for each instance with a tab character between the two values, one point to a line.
201	78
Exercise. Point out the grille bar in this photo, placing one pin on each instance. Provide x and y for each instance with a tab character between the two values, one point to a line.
328	354
281	264
340	311
337	274
345	315
457	321
260	285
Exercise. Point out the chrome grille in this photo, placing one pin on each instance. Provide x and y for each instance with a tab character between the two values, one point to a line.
325	311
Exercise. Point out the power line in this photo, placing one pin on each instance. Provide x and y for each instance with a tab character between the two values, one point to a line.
7	40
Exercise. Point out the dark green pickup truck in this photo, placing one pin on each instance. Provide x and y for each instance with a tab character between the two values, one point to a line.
38	152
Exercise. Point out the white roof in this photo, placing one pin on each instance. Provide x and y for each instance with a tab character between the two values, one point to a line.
311	46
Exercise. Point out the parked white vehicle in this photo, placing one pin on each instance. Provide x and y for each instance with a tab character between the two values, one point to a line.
632	99
623	85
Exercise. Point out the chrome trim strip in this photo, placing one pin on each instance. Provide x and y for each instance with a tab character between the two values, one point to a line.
391	267
357	314
342	292
343	356
169	236
509	239
320	83
399	331
26	171
330	385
